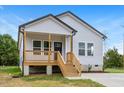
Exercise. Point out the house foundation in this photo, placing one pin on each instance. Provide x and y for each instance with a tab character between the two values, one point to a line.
26	70
49	70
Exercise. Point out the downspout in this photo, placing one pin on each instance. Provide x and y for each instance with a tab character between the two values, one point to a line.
72	34
21	30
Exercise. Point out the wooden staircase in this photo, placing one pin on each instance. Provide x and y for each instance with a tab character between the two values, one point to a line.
71	68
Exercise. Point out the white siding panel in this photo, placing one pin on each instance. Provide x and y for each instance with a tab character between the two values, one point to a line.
86	35
48	26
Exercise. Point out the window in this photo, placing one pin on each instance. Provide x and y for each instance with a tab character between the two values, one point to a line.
46	47
82	48
37	47
90	49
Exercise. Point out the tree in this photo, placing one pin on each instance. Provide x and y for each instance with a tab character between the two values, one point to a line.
113	59
8	50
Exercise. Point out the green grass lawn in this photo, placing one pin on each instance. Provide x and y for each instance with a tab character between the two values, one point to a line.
11	70
55	80
114	70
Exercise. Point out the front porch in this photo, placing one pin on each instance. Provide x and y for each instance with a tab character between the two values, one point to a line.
44	46
45	49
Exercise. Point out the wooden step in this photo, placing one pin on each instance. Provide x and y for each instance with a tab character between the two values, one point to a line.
71	70
68	69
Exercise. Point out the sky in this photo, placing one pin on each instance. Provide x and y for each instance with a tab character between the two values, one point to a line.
107	19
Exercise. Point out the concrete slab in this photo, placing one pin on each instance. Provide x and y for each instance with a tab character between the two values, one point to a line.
107	79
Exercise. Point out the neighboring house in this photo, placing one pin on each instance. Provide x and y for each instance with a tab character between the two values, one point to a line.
63	43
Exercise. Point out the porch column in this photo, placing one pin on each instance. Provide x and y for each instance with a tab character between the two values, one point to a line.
49	39
49	70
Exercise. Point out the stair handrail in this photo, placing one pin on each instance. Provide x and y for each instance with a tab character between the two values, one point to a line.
75	61
61	62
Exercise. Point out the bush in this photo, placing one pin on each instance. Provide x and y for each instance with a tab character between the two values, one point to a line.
113	59
8	50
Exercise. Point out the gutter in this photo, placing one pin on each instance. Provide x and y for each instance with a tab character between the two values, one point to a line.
74	33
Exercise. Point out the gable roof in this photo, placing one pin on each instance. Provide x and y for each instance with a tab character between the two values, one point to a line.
49	15
68	12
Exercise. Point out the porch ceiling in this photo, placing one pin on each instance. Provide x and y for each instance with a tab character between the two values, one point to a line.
45	34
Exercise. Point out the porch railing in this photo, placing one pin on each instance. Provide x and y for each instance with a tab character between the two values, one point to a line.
44	56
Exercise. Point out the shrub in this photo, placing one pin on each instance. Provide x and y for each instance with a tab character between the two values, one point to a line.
113	59
8	50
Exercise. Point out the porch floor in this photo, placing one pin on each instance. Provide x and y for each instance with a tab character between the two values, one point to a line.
39	63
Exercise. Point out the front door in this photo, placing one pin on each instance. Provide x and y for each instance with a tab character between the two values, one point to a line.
58	46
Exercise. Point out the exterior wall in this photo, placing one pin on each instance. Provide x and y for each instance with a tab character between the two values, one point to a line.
85	34
48	26
21	51
42	38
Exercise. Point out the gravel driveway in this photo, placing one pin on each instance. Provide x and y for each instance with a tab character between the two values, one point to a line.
107	79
